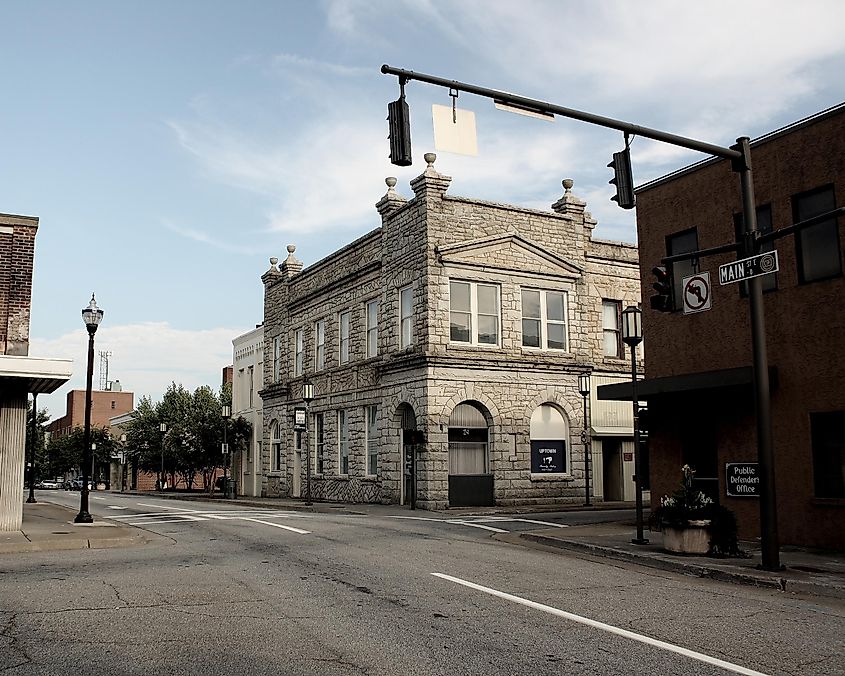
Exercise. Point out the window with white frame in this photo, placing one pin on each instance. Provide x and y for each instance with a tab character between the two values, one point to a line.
343	441
473	313
610	322
319	442
320	345
275	447
343	327
544	319
298	351
372	328
277	359
406	314
372	440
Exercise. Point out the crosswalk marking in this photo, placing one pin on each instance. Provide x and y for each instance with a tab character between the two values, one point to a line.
172	514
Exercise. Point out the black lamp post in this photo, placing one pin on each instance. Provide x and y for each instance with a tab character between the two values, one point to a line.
163	429
31	497
92	316
584	389
632	335
227	492
307	397
122	463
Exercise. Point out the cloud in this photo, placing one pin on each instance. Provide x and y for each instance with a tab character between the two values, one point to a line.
146	358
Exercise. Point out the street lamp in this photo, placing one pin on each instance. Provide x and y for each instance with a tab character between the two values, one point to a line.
227	412
92	316
307	397
584	389
632	335
93	463
163	429
31	497
122	463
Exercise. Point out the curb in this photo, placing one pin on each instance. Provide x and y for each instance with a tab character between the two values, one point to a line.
693	570
72	544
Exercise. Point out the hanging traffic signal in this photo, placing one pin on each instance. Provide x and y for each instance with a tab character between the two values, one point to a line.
399	121
623	179
662	302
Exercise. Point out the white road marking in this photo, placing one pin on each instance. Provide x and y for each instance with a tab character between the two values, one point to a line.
476	525
115	507
178	509
663	645
278	525
539	523
94	497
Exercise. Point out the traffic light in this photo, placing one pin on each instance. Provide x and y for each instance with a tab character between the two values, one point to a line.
399	121
662	302
623	179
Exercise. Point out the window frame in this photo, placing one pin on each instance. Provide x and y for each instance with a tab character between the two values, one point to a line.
617	330
344	322
319	442
543	319
372	328
275	447
299	352
474	313
277	359
826	475
764	217
320	345
832	223
371	435
677	274
343	442
406	319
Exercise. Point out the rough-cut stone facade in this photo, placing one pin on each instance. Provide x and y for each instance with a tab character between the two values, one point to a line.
423	244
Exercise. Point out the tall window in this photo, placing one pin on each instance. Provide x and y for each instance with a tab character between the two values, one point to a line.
406	316
611	314
549	432
320	345
828	437
251	384
343	328
544	319
681	242
299	348
372	441
343	441
372	328
817	247
277	359
467	441
764	225
319	442
275	447
474	313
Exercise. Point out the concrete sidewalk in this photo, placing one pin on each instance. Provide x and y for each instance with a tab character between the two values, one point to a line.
47	527
804	571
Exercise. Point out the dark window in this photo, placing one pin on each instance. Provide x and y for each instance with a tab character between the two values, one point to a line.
817	247
764	225
681	242
828	435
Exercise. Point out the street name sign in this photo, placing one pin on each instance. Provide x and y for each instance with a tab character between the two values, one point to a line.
755	266
743	479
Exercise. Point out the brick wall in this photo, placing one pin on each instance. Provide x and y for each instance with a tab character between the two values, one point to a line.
17	252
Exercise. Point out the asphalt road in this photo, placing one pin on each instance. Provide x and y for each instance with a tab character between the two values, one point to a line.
255	591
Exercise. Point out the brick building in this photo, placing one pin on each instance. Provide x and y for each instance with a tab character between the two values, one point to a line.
698	381
20	374
445	349
105	405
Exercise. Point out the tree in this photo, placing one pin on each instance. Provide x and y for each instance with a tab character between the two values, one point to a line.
42	417
65	452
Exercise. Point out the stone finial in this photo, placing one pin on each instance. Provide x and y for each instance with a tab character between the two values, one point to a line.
291	248
569	203
391	200
291	266
430	183
273	272
273	263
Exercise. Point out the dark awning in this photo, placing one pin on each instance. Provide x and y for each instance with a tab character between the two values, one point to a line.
688	382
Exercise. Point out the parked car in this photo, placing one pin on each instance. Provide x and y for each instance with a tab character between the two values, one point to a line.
76	485
50	484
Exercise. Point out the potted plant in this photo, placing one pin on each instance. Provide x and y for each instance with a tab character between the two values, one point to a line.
692	523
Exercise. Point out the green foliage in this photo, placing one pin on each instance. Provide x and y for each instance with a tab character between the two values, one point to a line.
65	453
42	467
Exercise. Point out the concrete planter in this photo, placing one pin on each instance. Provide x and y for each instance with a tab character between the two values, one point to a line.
691	539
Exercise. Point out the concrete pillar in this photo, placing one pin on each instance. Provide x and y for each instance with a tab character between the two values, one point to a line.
12	456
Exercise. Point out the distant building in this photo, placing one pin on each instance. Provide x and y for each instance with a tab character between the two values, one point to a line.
105	405
445	349
248	373
698	375
228	374
20	374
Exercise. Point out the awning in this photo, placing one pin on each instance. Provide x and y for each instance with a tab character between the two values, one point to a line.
688	382
33	374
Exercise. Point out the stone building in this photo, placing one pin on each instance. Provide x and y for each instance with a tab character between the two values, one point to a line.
247	381
445	348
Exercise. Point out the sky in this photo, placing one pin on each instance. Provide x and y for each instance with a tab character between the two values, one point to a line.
170	149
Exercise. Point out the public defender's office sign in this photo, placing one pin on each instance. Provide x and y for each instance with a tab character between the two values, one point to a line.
742	479
547	457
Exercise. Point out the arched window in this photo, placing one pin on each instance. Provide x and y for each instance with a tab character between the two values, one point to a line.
275	446
467	441
549	440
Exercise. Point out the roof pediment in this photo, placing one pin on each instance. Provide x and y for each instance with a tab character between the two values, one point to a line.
509	252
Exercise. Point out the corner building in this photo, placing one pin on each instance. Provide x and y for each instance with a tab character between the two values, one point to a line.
445	349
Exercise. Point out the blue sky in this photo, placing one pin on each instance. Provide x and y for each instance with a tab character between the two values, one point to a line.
171	148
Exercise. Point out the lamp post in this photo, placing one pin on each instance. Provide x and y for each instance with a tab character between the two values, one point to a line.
163	429
632	335
307	397
92	316
31	468
93	463
227	412
584	389
122	463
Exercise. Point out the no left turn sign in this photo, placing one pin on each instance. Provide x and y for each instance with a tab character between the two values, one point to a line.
696	290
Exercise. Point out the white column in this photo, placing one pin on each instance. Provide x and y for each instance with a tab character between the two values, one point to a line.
12	455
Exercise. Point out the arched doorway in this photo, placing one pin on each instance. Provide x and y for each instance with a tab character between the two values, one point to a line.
409	440
470	478
549	431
